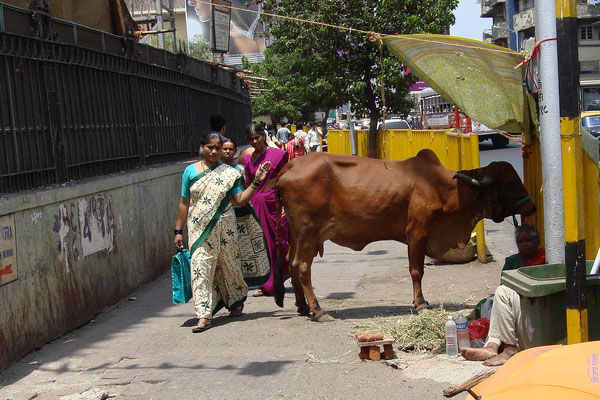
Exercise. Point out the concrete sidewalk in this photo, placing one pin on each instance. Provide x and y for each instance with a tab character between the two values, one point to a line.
143	347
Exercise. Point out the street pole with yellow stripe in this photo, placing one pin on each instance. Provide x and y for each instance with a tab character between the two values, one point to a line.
572	163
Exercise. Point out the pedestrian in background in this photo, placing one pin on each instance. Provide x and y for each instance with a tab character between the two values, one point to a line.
300	134
314	137
229	151
207	190
294	147
272	134
283	133
218	124
265	202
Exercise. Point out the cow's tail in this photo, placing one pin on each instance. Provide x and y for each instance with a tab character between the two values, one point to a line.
278	289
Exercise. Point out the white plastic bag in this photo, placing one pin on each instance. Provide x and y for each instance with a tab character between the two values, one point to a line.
486	308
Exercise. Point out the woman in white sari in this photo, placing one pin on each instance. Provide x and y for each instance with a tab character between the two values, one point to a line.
207	190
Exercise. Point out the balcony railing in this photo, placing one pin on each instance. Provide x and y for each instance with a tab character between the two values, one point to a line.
491	3
499	31
588	10
486	11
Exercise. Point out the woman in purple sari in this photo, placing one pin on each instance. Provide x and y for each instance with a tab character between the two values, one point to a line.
265	203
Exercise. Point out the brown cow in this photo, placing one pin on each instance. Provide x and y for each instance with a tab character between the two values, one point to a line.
354	201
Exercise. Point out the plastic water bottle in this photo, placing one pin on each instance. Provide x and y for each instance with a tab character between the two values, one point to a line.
451	342
462	334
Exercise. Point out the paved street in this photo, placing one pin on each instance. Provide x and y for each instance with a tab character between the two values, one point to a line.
142	347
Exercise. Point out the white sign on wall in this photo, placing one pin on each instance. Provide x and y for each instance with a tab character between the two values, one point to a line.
221	20
8	249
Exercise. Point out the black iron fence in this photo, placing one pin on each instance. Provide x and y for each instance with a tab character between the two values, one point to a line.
78	103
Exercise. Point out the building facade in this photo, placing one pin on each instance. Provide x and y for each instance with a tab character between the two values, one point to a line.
514	27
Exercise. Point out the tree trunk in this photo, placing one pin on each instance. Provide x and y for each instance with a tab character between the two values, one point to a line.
324	129
374	115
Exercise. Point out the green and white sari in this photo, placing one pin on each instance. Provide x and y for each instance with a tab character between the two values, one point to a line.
216	267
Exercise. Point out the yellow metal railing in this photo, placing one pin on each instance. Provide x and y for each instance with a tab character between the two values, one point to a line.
455	151
339	142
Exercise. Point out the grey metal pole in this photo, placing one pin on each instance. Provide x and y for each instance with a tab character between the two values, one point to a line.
352	139
549	118
159	21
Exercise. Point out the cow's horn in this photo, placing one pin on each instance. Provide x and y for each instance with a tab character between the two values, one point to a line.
487	181
474	183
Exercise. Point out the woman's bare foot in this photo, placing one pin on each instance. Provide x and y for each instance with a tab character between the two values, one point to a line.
479	353
509	351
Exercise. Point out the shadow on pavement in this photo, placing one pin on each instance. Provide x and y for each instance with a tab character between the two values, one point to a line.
252	369
385	311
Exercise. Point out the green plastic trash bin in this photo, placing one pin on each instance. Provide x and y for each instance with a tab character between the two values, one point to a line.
543	310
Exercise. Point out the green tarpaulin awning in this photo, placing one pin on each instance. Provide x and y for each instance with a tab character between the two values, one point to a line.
480	78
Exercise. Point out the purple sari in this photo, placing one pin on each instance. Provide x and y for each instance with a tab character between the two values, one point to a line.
265	206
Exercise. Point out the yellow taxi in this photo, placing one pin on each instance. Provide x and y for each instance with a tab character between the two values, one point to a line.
590	120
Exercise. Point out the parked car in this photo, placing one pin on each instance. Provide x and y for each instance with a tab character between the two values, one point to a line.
590	120
394	123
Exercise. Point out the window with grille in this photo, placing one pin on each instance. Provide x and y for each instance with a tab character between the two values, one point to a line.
586	32
522	5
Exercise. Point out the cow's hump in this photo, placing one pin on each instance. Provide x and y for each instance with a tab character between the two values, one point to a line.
429	156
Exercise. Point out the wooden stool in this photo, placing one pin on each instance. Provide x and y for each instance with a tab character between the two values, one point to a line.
372	351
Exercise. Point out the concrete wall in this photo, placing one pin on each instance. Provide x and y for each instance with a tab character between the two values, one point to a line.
78	249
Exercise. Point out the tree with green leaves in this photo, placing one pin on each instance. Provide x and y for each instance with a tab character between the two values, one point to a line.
198	47
294	89
339	65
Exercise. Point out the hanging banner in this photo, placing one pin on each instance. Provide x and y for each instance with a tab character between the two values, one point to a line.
8	249
221	20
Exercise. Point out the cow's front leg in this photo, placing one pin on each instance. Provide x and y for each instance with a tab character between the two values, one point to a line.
416	261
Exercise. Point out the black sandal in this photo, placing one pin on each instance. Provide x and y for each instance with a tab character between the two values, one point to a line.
237	312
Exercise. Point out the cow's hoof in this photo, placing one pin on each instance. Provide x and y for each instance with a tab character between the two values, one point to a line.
278	297
322	316
304	310
421	308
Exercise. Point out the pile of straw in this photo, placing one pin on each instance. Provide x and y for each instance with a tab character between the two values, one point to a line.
414	332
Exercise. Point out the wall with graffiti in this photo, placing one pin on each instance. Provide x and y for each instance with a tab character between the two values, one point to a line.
84	227
67	253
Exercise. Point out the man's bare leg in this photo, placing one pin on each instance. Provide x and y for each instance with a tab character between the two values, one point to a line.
480	353
509	351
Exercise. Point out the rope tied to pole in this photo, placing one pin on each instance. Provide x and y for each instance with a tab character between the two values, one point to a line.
533	53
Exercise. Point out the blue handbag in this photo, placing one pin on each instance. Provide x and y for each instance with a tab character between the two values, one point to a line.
181	276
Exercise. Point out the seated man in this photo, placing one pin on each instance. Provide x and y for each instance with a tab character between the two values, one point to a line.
505	322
